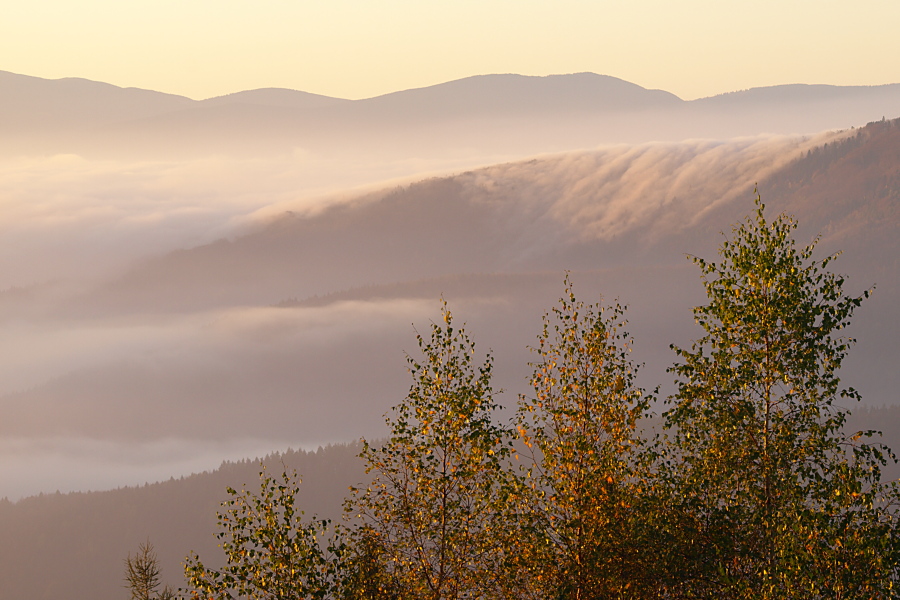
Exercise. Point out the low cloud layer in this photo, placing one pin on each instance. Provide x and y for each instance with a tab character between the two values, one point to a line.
201	363
66	217
31	466
656	187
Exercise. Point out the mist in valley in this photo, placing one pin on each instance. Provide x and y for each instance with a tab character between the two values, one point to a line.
186	312
185	282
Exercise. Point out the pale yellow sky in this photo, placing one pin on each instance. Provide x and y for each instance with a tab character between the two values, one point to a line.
363	48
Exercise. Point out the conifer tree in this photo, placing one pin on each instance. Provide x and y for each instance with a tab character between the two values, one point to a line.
142	575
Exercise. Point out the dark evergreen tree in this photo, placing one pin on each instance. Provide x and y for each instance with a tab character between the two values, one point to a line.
142	575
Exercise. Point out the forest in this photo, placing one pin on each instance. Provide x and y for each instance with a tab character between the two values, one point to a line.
744	483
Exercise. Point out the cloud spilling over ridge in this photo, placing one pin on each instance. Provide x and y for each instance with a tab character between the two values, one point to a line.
67	217
655	187
70	217
195	346
98	215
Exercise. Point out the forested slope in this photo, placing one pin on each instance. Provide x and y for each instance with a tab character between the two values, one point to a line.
73	545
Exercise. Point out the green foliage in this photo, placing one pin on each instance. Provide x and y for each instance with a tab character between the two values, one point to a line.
142	575
586	492
754	492
364	572
782	502
431	508
271	552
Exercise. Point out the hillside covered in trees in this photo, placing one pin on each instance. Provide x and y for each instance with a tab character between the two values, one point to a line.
752	488
87	535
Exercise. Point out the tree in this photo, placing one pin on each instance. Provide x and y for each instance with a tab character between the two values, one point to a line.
364	573
782	502
430	513
142	575
271	552
587	492
756	491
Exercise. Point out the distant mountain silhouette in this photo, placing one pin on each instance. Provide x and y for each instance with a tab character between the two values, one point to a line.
279	97
29	104
502	95
481	116
780	95
32	102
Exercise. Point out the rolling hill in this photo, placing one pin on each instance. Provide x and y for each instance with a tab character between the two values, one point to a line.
492	117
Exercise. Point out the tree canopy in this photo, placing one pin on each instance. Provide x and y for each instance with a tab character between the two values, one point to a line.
754	489
781	495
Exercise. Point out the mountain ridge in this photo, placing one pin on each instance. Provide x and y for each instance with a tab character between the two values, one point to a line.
497	115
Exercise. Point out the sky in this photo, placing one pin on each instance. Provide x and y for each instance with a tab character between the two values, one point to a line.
359	48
